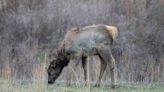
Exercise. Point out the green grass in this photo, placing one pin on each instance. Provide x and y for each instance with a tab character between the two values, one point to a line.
37	86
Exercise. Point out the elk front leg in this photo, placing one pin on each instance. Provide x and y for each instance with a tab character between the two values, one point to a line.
69	74
84	66
68	77
71	71
103	67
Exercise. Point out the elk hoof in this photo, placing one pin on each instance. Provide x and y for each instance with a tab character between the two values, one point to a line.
68	84
113	86
97	85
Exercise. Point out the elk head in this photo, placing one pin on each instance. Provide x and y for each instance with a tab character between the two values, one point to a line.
56	66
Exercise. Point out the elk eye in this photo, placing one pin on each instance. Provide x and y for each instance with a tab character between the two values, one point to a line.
49	73
53	66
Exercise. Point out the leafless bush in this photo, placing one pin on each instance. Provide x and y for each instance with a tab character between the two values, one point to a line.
31	28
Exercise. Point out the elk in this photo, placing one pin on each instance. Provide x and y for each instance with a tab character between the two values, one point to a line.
80	43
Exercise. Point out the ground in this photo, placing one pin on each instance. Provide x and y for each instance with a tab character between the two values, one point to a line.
41	86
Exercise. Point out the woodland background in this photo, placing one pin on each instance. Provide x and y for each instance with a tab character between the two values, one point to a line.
30	29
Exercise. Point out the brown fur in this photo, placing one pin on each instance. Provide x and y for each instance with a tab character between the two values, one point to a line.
68	50
70	35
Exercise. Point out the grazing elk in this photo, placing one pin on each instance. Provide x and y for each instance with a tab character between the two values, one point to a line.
78	44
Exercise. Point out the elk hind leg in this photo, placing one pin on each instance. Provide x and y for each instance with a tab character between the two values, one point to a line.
108	58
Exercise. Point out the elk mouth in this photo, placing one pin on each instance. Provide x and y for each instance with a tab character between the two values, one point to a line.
50	82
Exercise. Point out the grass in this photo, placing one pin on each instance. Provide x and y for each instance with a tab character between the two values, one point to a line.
41	86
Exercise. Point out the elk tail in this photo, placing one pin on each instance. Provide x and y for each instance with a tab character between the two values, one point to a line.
113	31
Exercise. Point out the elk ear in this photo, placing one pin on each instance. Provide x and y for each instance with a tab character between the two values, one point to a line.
61	50
53	64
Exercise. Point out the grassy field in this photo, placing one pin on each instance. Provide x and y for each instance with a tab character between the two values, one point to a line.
36	86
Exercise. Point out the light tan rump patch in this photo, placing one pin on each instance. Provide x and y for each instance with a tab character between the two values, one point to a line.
113	31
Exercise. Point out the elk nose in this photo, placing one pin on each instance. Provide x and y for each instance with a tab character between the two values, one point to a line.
50	82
